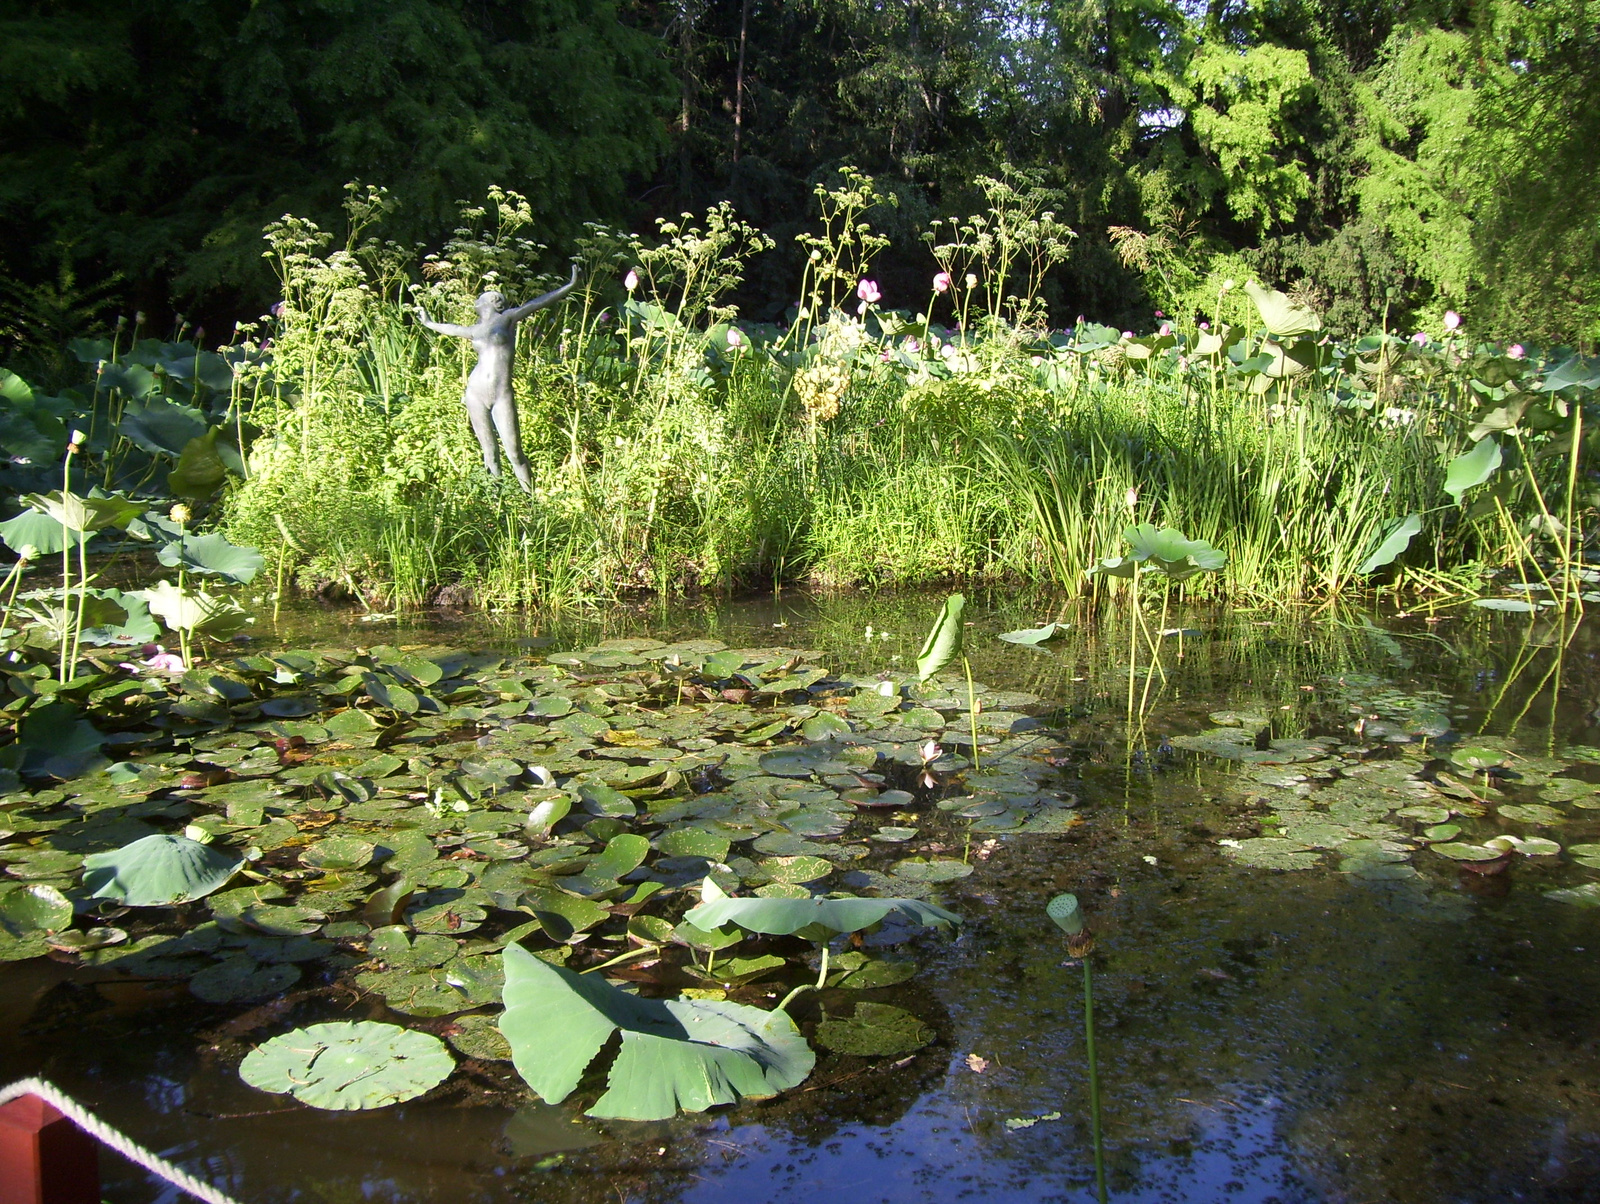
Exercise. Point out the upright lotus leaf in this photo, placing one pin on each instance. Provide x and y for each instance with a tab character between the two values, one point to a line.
345	1066
788	917
158	871
84	514
684	1054
201	467
1396	539
1170	552
944	642
212	554
1065	913
123	619
1472	468
1281	316
161	427
194	610
39	531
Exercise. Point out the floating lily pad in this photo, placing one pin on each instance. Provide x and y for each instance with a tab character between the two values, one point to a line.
1532	813
346	1066
478	1036
875	1030
239	978
1466	852
1272	853
936	869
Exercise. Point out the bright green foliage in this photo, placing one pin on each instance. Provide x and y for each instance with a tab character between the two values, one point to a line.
676	1054
944	639
1241	101
786	917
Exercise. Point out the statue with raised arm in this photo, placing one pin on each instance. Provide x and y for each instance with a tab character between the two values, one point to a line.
490	404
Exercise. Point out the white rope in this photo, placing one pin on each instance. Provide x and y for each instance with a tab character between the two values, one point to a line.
105	1134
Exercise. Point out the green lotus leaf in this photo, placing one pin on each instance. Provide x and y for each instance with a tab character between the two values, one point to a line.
85	514
346	1066
184	609
158	871
876	1030
1466	852
39	908
684	1054
1169	552
944	640
1034	636
1472	468
1281	316
239	978
1396	538
934	869
212	555
785	917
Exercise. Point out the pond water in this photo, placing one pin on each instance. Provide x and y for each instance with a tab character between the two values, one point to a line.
1296	998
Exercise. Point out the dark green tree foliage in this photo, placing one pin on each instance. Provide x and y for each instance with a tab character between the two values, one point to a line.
154	140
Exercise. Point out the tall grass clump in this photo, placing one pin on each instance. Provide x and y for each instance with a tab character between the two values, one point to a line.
677	448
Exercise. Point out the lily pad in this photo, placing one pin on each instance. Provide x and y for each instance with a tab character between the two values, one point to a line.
876	1030
158	871
1457	851
346	1066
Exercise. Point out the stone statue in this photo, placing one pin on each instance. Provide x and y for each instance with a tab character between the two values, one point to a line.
488	398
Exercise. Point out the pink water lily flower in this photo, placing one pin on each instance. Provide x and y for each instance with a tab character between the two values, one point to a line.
941	282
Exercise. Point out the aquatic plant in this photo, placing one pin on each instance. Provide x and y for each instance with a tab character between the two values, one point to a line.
1067	914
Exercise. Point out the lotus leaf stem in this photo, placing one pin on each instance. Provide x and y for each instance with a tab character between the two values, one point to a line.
972	716
1094	1081
822	981
624	957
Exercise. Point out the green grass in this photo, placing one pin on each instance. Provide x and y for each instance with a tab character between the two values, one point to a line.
657	486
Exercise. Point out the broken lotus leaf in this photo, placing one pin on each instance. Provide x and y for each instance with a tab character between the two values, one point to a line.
687	1054
158	871
346	1066
788	917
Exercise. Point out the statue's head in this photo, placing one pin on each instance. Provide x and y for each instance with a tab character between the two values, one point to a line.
490	303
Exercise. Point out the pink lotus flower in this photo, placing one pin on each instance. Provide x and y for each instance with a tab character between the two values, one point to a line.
867	290
941	282
1451	319
631	280
1515	351
1420	338
1159	314
735	339
1166	329
912	345
1205	326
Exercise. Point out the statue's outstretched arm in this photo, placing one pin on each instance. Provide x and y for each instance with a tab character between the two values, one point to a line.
461	332
522	311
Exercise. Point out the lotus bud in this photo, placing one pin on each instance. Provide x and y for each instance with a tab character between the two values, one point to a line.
1515	351
735	339
1132	498
180	514
1166	330
941	282
1228	285
1451	320
138	318
122	321
972	281
26	553
631	280
815	256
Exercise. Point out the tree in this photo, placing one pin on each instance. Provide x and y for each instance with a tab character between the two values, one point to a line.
155	140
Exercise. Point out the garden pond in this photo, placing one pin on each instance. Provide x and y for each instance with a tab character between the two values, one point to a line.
1342	878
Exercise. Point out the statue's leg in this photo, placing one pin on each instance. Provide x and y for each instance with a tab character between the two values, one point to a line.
483	428
505	419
